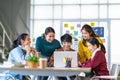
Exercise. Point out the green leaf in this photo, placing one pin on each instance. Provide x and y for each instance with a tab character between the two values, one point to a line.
33	59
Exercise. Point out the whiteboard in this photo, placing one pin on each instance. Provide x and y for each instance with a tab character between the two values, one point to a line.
100	26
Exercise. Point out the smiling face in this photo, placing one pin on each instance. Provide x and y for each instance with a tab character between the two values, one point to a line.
85	34
91	47
27	41
66	46
49	37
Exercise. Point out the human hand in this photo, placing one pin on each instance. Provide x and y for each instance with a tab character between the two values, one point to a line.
27	48
79	64
51	62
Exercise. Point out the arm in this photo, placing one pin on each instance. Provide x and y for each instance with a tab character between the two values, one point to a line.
52	61
11	57
38	44
81	52
35	52
97	59
16	55
58	46
79	63
30	51
84	53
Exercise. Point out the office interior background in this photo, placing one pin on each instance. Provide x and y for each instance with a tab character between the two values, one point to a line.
33	16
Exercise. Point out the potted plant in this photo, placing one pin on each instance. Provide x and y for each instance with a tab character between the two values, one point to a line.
32	61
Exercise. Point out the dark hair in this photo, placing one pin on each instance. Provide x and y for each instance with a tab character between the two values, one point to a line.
66	38
89	29
18	40
48	30
94	41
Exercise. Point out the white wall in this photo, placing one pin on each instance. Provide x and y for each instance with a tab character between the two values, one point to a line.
115	41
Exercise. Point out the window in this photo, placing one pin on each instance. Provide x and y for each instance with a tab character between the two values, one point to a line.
57	12
71	1
114	11
43	2
71	12
46	13
89	12
89	1
103	11
43	12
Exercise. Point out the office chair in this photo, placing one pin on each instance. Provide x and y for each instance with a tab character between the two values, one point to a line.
114	73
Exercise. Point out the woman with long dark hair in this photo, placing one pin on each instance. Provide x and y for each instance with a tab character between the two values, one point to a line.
87	33
46	45
98	61
21	48
20	51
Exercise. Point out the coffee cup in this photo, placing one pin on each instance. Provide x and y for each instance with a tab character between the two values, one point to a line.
43	63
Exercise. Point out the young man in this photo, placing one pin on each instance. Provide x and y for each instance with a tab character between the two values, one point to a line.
66	41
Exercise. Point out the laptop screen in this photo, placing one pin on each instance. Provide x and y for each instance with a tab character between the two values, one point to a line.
60	58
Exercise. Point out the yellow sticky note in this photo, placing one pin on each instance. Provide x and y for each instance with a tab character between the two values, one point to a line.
66	25
72	27
92	24
64	59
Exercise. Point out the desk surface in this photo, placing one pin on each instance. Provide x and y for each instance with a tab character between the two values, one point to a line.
49	71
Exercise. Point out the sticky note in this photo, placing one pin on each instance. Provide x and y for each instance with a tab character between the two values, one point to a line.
67	31
64	59
78	25
92	24
72	28
75	33
66	25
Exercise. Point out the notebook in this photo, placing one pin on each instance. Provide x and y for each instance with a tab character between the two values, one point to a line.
61	56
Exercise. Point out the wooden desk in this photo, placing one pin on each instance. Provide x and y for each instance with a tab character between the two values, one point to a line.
49	71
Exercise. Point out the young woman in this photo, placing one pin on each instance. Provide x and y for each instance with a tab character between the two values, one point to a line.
20	51
46	45
98	61
87	33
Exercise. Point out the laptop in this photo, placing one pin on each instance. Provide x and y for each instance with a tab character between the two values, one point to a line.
61	56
